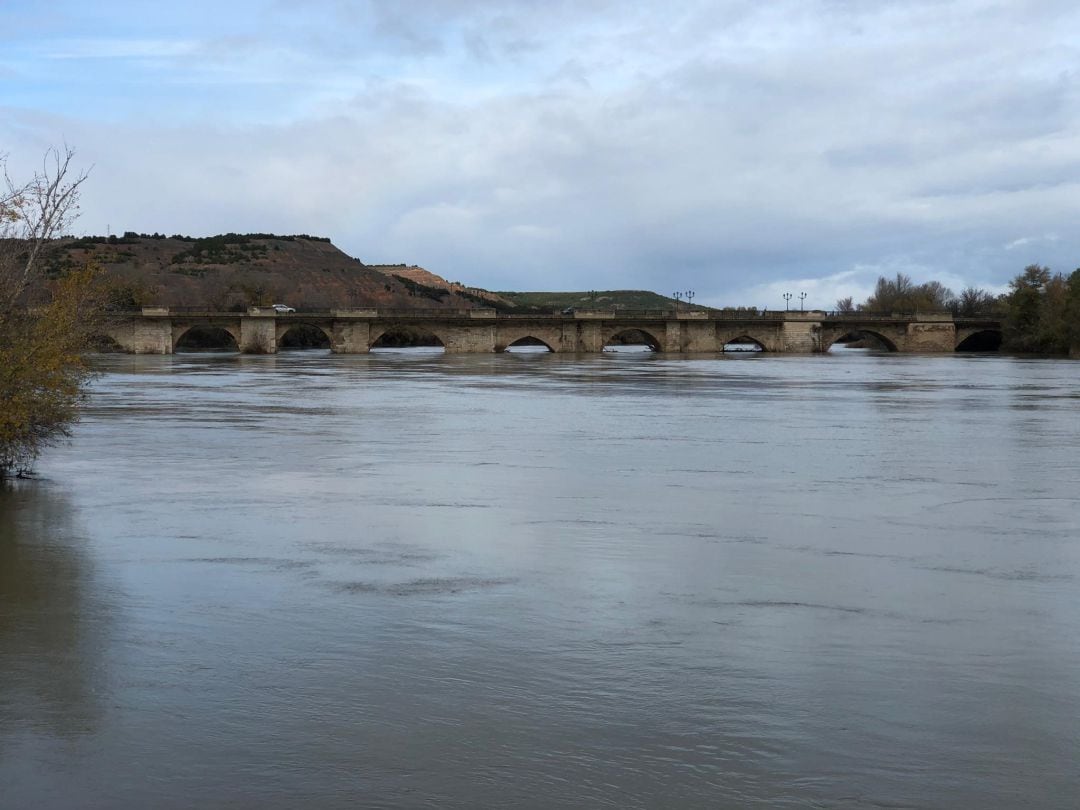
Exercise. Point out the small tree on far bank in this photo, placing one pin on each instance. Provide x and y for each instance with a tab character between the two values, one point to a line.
901	294
974	301
44	326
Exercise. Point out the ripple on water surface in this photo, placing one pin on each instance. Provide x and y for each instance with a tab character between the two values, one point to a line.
628	580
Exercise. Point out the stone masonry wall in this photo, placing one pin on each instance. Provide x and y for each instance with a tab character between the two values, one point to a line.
143	336
930	337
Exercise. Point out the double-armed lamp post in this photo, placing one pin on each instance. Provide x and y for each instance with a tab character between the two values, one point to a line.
787	301
679	295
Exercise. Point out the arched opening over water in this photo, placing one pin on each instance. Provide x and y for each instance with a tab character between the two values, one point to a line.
207	339
743	345
105	344
988	340
529	345
632	340
304	336
863	339
407	337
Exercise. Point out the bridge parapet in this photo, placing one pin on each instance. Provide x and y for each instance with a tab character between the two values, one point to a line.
354	313
897	315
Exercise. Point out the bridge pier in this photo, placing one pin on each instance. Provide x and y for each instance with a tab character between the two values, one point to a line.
258	335
471	339
583	336
350	337
142	336
800	337
930	337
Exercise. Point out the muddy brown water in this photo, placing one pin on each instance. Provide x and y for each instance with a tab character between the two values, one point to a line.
628	580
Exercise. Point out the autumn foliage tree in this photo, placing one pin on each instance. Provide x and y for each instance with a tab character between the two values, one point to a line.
45	324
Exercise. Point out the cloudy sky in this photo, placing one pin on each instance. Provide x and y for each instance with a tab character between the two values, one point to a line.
738	148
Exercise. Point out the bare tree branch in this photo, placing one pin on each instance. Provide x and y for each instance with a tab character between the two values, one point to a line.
34	214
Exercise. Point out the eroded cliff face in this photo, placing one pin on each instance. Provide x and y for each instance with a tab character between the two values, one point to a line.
418	275
237	271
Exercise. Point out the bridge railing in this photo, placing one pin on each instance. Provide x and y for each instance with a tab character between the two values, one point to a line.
748	315
404	312
895	315
618	314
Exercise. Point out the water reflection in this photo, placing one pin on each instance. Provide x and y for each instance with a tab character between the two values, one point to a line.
54	620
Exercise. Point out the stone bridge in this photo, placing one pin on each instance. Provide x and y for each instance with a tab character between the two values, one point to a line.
159	330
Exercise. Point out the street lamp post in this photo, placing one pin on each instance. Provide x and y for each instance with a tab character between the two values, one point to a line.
678	297
802	299
787	301
690	298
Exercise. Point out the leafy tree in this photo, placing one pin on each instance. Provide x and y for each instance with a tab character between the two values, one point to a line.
1072	313
1043	312
1024	314
1052	336
901	294
44	324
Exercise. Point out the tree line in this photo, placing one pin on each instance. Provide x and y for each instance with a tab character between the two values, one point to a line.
1040	311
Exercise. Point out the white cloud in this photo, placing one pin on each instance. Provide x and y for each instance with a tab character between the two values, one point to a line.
1024	241
821	292
740	149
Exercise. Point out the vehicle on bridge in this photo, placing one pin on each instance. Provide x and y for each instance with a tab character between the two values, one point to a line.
282	309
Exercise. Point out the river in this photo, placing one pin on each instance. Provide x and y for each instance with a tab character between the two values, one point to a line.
624	580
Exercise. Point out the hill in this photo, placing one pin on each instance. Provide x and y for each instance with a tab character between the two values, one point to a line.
428	279
606	299
234	271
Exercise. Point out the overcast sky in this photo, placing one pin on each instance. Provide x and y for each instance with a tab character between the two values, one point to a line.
740	149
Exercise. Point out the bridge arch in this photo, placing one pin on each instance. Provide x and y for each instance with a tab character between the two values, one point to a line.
402	335
743	340
303	335
831	336
194	336
529	342
633	335
105	343
517	334
978	340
